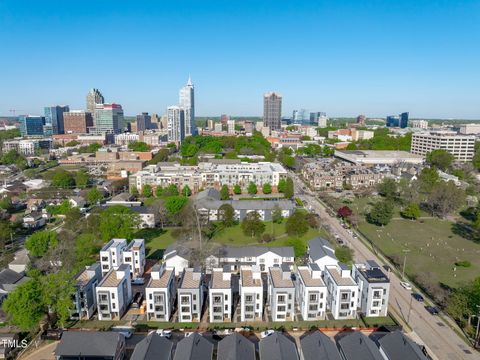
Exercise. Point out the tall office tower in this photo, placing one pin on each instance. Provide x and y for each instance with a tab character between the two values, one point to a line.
224	119
77	122
231	126
300	117
108	118
31	125
392	121
318	118
54	119
361	119
272	111
404	120
144	121
175	124
187	103
94	97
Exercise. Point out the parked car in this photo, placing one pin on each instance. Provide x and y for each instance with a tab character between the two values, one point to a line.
266	333
137	300
188	333
164	333
406	285
138	281
418	297
126	331
52	334
432	310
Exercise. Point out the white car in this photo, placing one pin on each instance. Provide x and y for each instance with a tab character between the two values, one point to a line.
188	333
127	332
266	333
164	333
406	285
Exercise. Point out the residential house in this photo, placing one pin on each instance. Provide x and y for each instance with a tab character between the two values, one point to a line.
220	296
160	293
236	347
111	255
374	288
114	293
357	346
281	293
77	202
153	347
124	199
277	347
34	220
9	280
317	345
134	255
251	293
105	345
34	205
311	292
321	252
398	346
342	296
194	347
177	256
190	295
20	261
84	299
147	216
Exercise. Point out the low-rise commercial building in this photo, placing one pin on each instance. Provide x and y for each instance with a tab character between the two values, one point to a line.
378	157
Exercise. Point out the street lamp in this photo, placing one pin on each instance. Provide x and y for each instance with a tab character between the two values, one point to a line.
405	251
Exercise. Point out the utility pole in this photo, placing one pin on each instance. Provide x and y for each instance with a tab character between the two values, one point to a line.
405	251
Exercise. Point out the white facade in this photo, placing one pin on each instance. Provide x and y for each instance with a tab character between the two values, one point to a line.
467	129
281	294
126	138
114	294
419	124
231	126
134	255
220	296
311	292
251	293
187	103
24	147
111	255
160	293
176	257
85	300
175	124
321	253
190	295
342	296
462	147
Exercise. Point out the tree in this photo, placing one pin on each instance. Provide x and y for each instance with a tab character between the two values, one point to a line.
267	188
170	190
134	190
464	302
94	196
476	156
63	179
81	179
226	215
344	212
439	158
427	179
40	242
388	188
237	189
381	213
159	191
6	204
72	219
57	291
87	247
282	183
174	204
186	191
445	198
252	188
344	254
297	224
252	224
118	222
160	156
277	216
289	188
288	161
412	211
224	193
138	146
147	191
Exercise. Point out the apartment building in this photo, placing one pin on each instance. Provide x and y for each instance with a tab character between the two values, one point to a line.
134	255
251	293
84	299
190	295
462	147
114	293
321	252
342	298
220	296
111	255
374	288
160	293
311	292
281	293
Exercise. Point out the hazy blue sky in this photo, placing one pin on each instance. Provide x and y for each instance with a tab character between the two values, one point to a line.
342	57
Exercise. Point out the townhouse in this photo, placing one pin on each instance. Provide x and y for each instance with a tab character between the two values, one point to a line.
160	293
251	293
118	251
134	255
220	296
236	347
114	293
357	346
190	295
84	298
311	292
111	254
374	288
342	291
321	252
277	347
281	293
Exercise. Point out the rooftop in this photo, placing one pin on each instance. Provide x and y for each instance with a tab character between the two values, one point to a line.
306	275
356	346
153	347
162	282
277	347
88	344
337	277
218	280
191	279
194	347
247	280
319	248
278	280
317	345
235	347
398	346
112	278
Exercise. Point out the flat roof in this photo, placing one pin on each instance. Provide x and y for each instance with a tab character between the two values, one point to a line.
276	274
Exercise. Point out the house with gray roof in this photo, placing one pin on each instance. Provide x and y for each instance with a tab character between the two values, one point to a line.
317	345
277	347
102	345
194	347
20	261
9	280
177	256
397	346
153	347
235	347
357	346
321	252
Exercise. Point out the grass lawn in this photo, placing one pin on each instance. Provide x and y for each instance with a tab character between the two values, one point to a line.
156	240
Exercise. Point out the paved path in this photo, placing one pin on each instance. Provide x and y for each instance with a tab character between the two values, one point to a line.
433	331
42	353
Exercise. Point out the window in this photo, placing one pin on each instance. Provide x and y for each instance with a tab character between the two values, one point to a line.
113	295
194	297
281	308
226	297
281	299
313	297
185	309
248	298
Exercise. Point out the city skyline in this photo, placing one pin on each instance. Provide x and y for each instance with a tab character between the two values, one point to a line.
345	59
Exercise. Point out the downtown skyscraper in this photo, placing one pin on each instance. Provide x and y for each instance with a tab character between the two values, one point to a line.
94	97
272	111
187	103
54	123
175	124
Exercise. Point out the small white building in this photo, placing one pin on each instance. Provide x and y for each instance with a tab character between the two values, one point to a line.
251	293
85	301
134	255
160	293
281	294
321	252
220	296
342	296
311	292
114	294
147	216
190	295
176	256
111	255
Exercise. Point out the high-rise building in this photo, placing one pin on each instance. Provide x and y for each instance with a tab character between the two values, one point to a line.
272	111
398	120
231	126
315	117
224	119
54	119
404	120
301	117
361	119
144	121
77	122
31	125
175	124
108	118
187	103
94	97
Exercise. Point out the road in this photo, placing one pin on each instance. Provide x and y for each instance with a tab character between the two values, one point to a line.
431	330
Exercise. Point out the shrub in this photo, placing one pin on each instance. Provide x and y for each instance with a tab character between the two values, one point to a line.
463	263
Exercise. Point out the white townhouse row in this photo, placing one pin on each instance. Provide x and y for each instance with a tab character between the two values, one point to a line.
220	296
251	293
114	293
118	251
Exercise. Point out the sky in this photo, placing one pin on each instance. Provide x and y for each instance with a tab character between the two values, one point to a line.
342	57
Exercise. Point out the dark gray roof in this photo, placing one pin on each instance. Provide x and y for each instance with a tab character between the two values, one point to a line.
356	346
208	194
235	347
194	347
277	347
88	343
319	248
141	209
8	276
317	345
397	346
153	347
253	251
176	249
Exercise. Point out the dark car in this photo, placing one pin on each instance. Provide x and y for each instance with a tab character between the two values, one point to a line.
432	310
52	334
137	300
418	297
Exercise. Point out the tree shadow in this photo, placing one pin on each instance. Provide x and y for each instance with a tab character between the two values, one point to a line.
465	231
